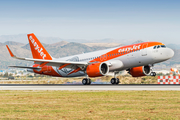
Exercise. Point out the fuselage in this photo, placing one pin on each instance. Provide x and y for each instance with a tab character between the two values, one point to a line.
118	59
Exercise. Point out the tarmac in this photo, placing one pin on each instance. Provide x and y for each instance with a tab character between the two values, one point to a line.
93	87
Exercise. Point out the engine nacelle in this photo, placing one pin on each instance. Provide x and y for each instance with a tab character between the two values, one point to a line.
97	69
140	71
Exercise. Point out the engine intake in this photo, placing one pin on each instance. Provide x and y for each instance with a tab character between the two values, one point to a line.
140	71
97	69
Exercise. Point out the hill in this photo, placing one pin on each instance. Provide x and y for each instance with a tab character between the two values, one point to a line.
13	43
174	46
1	44
62	49
57	50
103	44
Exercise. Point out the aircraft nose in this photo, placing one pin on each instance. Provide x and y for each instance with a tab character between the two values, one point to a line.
170	53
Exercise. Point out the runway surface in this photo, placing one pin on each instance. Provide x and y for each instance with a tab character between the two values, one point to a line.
86	87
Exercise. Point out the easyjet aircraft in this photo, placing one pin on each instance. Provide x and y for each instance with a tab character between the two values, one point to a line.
137	59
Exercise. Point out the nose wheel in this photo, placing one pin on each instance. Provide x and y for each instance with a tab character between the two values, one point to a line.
153	74
86	81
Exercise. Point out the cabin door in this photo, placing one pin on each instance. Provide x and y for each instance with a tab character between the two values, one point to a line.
144	49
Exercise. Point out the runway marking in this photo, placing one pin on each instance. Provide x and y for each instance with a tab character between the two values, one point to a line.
88	87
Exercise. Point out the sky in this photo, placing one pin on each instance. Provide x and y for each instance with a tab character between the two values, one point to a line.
147	20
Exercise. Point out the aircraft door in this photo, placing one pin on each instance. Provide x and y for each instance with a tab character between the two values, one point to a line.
144	50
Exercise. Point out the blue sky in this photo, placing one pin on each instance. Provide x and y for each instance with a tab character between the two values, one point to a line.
152	20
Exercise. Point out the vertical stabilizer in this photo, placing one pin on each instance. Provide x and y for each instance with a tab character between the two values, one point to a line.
37	49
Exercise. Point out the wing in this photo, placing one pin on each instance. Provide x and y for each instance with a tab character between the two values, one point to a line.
43	62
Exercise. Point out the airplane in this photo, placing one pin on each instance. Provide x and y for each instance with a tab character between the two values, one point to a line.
137	59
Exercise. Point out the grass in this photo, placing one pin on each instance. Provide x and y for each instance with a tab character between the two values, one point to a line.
90	105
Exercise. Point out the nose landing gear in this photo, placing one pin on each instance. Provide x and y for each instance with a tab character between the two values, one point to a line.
153	74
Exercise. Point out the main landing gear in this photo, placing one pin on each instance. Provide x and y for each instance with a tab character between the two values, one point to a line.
115	81
86	81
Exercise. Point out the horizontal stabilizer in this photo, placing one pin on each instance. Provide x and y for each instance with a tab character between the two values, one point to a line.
25	67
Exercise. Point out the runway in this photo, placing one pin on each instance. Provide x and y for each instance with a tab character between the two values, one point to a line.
87	87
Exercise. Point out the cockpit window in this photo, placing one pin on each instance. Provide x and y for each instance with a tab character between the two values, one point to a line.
163	46
159	46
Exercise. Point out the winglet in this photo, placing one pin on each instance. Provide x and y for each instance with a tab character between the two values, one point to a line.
10	52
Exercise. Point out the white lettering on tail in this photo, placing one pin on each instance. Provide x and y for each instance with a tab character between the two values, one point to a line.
37	48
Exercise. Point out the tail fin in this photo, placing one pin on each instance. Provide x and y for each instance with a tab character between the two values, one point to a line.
37	49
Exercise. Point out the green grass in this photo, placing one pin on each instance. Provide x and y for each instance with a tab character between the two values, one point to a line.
90	105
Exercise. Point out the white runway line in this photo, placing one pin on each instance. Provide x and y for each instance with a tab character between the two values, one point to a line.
92	87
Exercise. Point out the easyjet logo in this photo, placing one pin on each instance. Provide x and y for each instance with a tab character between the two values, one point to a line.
129	48
37	48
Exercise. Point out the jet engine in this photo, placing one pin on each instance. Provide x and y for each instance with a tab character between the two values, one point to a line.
97	69
140	71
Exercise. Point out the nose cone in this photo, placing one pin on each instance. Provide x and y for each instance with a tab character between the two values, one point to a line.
163	54
170	53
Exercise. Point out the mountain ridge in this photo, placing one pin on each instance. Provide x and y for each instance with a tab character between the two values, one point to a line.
60	49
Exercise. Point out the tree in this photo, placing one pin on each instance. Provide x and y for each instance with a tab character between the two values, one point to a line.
6	74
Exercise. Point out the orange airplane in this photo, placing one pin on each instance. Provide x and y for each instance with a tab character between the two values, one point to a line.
137	59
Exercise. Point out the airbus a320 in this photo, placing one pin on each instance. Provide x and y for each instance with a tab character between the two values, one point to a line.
137	59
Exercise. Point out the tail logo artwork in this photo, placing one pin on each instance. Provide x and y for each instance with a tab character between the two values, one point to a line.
37	48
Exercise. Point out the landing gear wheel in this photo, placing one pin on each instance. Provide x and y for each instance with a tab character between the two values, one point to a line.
113	81
153	74
117	81
89	81
86	81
